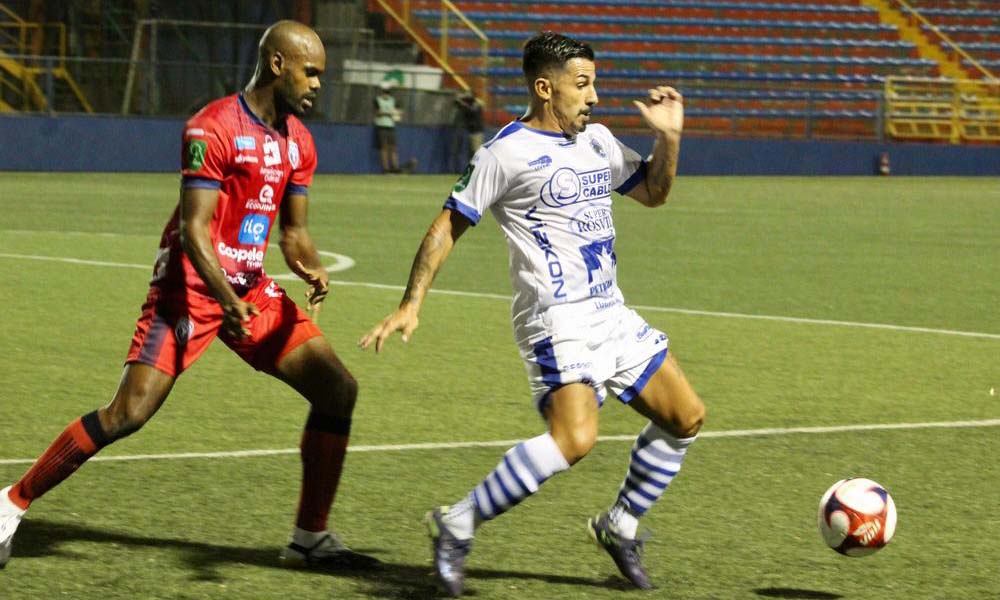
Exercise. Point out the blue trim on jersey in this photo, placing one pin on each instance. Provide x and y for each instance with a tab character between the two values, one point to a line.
463	209
545	357
292	188
246	109
201	182
633	180
654	364
515	126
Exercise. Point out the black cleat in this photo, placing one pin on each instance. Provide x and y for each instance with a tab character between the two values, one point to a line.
328	553
449	553
626	553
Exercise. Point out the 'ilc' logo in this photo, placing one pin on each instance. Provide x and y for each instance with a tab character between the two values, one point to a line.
196	154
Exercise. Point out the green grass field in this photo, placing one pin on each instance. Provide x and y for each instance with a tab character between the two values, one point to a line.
739	521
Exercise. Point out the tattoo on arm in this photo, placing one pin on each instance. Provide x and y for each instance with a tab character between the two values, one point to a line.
433	250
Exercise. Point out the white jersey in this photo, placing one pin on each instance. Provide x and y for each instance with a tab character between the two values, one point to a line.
552	199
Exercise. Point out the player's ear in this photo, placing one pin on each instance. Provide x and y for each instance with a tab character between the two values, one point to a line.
543	87
277	63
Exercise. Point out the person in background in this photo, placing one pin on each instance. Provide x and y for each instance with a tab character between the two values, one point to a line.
469	128
386	117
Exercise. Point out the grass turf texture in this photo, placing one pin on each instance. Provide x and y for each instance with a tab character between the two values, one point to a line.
739	522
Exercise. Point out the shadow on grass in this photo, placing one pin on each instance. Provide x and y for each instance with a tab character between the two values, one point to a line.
38	538
796	593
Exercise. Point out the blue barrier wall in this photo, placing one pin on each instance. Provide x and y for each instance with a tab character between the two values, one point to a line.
83	143
79	143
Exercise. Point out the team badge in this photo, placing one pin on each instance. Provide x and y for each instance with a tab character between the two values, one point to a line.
596	147
196	154
293	154
183	331
463	181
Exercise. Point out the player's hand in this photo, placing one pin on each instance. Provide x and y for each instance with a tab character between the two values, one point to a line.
235	316
319	286
404	320
663	110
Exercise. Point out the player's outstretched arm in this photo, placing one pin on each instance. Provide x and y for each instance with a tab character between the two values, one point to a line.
663	112
300	252
437	244
197	207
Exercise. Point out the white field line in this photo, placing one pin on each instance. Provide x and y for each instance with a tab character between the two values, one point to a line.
508	443
344	262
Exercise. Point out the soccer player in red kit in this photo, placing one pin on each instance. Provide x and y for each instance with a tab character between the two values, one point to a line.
247	164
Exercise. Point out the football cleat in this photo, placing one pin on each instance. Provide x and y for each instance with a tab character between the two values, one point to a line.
327	553
449	552
10	518
627	553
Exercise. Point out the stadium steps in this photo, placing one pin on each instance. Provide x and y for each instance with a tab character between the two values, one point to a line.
912	33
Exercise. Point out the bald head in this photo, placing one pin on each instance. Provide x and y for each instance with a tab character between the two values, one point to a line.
290	39
290	60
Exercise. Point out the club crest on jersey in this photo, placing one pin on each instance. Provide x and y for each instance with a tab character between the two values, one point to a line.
272	152
293	154
598	148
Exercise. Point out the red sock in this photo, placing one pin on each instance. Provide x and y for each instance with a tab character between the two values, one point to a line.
79	441
324	445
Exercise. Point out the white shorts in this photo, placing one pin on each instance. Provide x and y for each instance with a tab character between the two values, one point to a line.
610	349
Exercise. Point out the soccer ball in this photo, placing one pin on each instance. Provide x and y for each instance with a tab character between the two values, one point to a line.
857	517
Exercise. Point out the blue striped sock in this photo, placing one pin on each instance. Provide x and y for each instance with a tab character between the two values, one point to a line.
523	469
656	459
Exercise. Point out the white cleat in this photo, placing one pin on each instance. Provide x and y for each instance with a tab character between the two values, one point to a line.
324	551
10	518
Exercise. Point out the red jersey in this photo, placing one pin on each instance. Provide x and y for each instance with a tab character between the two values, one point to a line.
228	148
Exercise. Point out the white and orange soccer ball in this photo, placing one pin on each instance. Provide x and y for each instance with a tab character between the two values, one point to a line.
857	517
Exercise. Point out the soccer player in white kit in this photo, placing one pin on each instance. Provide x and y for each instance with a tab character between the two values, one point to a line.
547	178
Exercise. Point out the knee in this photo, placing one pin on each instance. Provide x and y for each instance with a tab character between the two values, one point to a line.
689	423
122	418
576	443
338	397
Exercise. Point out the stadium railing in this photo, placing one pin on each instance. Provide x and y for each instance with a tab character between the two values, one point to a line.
957	111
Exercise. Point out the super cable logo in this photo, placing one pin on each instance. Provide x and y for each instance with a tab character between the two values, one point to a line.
566	187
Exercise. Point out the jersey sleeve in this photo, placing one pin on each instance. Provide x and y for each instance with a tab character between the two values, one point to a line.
302	173
627	167
206	154
482	184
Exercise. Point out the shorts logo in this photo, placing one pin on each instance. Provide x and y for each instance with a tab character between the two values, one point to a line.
246	142
253	230
273	290
272	152
293	154
183	331
644	332
196	154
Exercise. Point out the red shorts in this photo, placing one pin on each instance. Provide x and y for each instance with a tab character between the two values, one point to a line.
176	327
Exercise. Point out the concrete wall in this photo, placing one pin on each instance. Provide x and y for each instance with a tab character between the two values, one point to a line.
84	143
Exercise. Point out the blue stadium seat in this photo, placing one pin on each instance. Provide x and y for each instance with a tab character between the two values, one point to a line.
509	34
765	6
730	58
643	20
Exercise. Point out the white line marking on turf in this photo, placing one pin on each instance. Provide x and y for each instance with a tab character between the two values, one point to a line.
709	313
508	443
345	262
340	263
